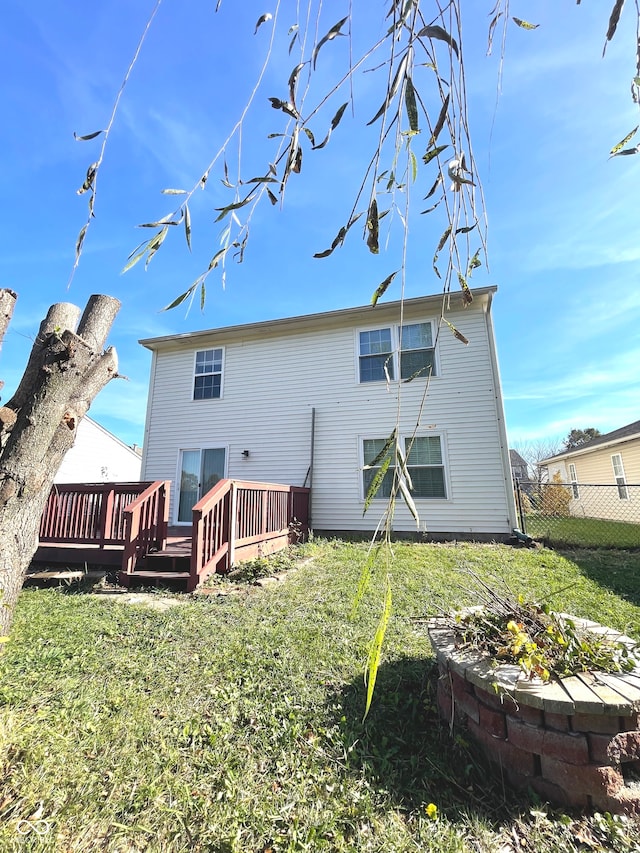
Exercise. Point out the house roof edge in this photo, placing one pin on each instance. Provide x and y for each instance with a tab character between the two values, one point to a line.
156	343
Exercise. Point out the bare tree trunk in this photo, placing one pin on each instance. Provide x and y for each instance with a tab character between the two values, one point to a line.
66	369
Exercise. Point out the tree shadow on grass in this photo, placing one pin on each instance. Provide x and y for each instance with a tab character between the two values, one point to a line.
616	571
405	749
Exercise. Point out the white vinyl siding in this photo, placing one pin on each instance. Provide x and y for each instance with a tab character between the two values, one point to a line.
272	382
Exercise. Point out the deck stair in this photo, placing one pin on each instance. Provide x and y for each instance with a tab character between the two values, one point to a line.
170	566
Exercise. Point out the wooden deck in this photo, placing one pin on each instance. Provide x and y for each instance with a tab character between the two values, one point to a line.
125	525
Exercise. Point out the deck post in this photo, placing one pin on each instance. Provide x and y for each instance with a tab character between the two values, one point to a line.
233	524
106	513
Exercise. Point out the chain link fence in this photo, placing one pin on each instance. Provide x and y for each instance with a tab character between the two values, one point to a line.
583	515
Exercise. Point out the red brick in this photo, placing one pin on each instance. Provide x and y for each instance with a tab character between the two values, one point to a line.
571	747
629	724
558	796
498	701
505	755
598	745
524	736
468	704
444	705
560	722
578	780
459	685
492	721
626	802
533	716
601	723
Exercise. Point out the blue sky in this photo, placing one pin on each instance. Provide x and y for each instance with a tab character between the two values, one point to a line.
564	231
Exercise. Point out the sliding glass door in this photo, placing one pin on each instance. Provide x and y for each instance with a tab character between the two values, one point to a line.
200	470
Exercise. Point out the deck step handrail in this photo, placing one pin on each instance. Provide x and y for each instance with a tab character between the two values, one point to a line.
88	513
146	523
242	514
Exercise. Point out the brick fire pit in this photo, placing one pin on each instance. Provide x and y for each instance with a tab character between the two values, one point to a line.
575	741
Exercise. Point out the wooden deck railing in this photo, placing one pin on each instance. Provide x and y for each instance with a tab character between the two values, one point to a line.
239	519
146	523
88	513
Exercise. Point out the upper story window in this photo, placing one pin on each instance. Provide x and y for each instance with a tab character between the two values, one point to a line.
207	383
406	351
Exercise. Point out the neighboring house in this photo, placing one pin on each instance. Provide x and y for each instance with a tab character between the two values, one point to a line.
97	456
519	469
603	475
310	400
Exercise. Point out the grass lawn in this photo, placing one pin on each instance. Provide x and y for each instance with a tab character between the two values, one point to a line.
234	723
583	532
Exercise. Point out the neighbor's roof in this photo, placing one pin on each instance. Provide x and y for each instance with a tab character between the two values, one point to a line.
360	315
625	433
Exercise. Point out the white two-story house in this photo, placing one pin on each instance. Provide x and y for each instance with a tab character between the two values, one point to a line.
311	400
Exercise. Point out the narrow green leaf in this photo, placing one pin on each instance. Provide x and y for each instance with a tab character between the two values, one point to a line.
443	240
442	117
413	162
135	257
187	225
166	220
623	142
375	652
433	207
272	198
90	178
155	243
401	462
381	288
474	263
408	499
293	78
180	299
309	134
428	157
80	240
525	25
88	136
335	121
203	292
333	32
372	227
399	75
467	296
235	206
365	578
436	32
174	192
614	18
376	483
339	239
466	229
411	105
456	333
262	20
434	186
215	260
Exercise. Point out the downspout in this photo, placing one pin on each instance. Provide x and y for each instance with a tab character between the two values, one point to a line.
502	427
309	477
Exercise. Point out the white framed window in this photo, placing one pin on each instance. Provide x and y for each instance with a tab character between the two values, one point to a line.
618	473
388	352
425	462
207	381
573	477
